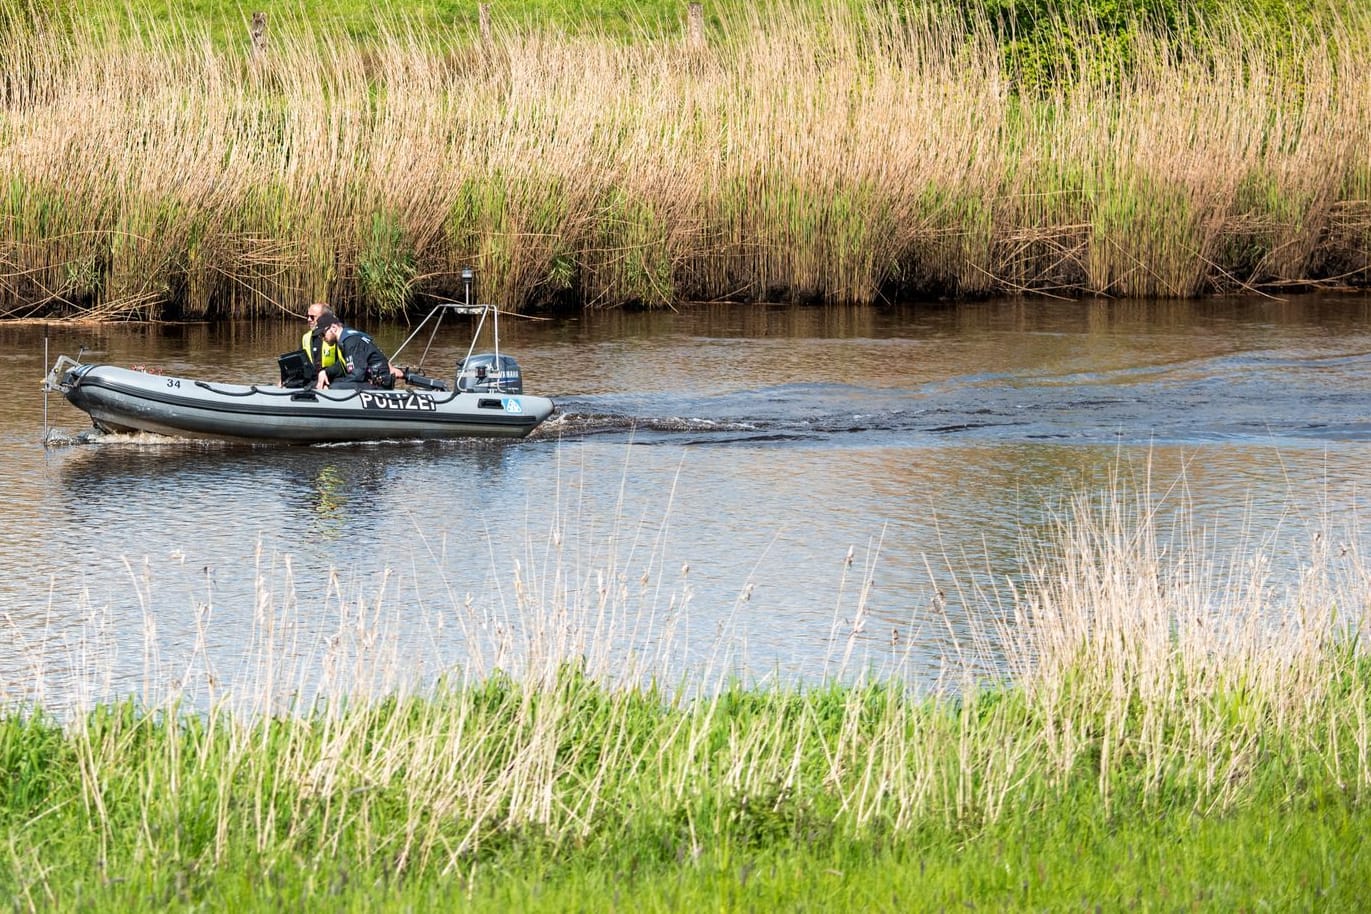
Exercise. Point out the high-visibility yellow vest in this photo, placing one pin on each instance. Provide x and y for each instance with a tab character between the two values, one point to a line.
328	353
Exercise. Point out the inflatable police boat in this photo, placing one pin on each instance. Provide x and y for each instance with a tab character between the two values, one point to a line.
486	400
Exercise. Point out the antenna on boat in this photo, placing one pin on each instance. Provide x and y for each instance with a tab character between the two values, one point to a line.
46	430
495	326
467	276
436	315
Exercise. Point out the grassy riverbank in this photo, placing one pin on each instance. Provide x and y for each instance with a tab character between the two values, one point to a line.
1176	729
801	153
597	802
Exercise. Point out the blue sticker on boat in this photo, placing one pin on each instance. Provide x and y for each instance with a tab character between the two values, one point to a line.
513	406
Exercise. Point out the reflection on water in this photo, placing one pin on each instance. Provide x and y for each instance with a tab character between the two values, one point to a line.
331	502
696	497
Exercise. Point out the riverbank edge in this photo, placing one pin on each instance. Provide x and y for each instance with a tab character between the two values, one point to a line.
143	809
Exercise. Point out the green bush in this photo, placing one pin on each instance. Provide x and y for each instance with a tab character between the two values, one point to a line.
1045	43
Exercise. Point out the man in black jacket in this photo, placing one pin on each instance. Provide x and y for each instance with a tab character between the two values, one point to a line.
365	366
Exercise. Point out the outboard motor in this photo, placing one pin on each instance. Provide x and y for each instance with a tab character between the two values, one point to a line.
480	373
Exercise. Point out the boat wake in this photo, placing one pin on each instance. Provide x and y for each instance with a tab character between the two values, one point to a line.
1146	411
576	424
94	437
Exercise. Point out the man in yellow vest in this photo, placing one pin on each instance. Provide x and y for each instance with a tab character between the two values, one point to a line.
322	354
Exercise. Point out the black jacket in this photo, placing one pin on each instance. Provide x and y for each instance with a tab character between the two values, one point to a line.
365	365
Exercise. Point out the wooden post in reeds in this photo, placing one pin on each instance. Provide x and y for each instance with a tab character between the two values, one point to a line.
259	37
695	27
483	14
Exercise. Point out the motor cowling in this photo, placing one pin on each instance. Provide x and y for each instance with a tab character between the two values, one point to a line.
487	373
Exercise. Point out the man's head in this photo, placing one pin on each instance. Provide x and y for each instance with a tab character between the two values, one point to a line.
312	315
329	325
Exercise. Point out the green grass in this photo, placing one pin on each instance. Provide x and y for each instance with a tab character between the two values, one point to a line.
228	23
1249	862
150	812
1021	24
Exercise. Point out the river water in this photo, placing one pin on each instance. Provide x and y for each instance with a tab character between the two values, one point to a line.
755	492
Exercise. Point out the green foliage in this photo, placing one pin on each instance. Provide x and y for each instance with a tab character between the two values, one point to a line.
634	263
1048	43
34	760
386	267
25	15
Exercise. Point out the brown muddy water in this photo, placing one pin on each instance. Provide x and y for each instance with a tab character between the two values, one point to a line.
687	514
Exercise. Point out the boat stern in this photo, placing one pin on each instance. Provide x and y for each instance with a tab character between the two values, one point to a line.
64	375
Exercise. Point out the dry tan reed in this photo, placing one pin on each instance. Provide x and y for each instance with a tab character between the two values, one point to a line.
1140	647
803	156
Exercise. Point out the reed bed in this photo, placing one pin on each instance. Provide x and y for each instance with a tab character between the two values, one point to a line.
804	154
1148	679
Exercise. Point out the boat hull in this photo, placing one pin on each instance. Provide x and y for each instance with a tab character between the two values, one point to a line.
123	400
